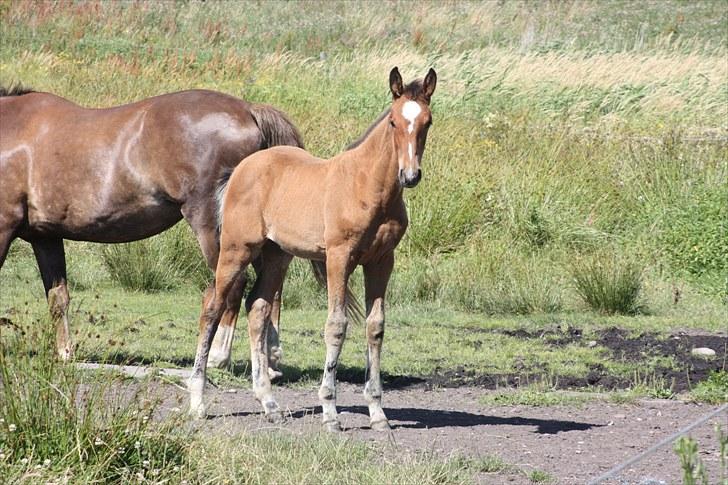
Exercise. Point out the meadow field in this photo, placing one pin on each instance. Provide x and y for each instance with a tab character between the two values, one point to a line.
571	221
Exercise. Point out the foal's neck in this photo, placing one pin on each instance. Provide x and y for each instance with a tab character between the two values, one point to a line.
377	159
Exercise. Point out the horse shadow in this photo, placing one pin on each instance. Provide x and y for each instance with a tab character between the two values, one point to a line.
420	418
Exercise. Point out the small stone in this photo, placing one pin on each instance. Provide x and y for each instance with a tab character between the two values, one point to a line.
620	416
610	423
591	343
703	352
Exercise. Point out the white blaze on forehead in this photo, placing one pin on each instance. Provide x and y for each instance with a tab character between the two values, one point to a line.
411	110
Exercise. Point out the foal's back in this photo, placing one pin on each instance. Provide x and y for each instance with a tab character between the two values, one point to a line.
280	194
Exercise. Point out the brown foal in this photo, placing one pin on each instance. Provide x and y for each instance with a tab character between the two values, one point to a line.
346	211
122	174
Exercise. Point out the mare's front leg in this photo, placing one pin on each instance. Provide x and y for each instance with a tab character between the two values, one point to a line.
260	305
338	269
230	272
376	277
51	260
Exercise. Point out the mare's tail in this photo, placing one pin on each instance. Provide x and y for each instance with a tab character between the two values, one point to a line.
276	129
353	307
275	126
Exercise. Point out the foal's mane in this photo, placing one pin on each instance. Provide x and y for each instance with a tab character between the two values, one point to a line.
14	90
412	90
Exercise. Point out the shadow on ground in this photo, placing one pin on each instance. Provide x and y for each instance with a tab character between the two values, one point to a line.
421	418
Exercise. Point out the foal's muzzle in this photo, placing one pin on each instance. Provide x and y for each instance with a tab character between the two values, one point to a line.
409	177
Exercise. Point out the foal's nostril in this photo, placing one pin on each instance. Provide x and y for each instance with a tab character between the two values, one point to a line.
412	178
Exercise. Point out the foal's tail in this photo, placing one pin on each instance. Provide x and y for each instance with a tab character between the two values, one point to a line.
353	308
275	126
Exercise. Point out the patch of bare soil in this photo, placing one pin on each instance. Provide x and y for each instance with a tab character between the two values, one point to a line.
572	444
687	371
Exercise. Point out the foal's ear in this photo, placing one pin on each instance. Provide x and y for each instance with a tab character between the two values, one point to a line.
428	86
395	83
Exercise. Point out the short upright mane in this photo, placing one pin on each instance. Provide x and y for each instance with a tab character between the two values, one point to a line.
413	90
14	90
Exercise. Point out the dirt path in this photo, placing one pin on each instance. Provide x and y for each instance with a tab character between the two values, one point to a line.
572	444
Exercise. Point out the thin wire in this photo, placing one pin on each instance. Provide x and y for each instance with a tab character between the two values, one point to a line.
615	471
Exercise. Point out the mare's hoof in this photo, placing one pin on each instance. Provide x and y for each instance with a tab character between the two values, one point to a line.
333	426
382	425
274	374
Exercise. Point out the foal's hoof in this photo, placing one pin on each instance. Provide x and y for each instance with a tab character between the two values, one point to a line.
382	425
274	374
333	426
275	417
197	412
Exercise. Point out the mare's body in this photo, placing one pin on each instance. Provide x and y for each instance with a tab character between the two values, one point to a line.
121	174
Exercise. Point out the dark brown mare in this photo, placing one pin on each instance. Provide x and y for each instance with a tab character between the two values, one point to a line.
346	211
122	174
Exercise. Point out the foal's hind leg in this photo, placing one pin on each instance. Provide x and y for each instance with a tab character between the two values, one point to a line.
202	221
260	306
275	349
376	277
51	260
230	270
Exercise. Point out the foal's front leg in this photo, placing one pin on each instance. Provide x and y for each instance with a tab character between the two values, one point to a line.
337	274
376	277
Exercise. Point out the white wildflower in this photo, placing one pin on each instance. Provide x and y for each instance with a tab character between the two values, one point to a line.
12	427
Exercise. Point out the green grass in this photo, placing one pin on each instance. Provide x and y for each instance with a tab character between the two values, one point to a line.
561	130
552	137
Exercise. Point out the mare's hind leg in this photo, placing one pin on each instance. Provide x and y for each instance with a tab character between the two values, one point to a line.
272	270
376	277
51	260
230	274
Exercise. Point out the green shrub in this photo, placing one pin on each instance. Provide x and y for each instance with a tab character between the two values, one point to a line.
162	262
713	390
609	283
494	279
695	234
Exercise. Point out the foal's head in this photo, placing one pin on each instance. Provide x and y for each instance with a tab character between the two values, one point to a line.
409	120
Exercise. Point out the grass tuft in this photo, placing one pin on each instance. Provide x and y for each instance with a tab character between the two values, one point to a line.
609	283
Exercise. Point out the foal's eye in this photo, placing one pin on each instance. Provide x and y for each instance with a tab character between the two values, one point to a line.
391	123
